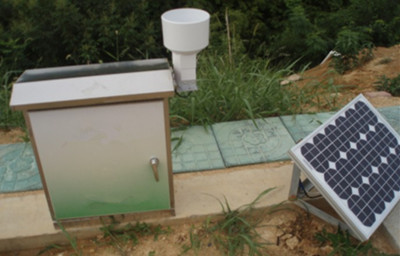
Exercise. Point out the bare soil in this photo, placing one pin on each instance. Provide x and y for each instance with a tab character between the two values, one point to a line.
385	61
11	136
290	232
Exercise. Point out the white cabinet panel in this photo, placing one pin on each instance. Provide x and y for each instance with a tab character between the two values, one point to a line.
96	159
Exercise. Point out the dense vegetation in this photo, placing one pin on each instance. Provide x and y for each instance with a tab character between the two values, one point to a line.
43	33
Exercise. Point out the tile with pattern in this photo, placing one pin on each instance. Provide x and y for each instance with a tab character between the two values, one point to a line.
18	169
195	149
299	126
243	142
392	115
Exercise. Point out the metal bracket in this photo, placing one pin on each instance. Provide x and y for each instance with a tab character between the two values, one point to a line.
296	196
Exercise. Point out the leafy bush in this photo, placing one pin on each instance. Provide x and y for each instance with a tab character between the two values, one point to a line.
354	50
45	33
390	85
64	32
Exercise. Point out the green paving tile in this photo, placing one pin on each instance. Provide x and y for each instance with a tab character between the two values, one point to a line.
299	126
392	115
18	169
241	142
195	149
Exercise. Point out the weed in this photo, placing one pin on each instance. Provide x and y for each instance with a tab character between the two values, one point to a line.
120	236
25	137
235	234
159	230
72	240
385	61
238	230
178	121
49	248
354	49
195	242
178	140
316	95
242	89
118	55
8	118
343	244
390	85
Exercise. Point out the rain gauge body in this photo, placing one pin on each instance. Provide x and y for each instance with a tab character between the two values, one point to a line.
101	132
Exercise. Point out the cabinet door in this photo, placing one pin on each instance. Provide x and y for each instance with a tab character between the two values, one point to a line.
96	160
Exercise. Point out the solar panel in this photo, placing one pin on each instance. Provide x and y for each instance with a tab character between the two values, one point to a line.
353	159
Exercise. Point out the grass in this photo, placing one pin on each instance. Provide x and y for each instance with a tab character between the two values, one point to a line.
228	90
390	85
235	234
384	61
119	237
243	89
343	244
8	117
71	239
195	241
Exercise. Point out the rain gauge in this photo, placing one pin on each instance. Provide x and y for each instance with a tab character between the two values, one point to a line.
101	132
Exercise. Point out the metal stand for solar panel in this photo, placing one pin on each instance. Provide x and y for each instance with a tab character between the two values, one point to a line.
296	196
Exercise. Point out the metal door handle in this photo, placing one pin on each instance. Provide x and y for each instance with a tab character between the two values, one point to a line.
154	165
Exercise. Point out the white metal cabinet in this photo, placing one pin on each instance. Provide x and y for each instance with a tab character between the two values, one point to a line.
93	151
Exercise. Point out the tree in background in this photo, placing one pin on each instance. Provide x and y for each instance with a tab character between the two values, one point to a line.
42	33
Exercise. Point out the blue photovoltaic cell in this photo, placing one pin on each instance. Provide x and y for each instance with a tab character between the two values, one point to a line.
359	158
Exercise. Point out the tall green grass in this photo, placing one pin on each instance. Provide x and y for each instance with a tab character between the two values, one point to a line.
390	85
228	91
230	88
343	244
244	89
8	117
236	233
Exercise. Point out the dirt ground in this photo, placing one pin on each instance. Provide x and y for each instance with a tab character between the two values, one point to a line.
11	136
386	61
290	232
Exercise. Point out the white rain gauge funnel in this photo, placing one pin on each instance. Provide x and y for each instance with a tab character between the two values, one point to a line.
185	33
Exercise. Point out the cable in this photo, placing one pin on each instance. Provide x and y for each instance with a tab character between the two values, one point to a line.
305	192
183	96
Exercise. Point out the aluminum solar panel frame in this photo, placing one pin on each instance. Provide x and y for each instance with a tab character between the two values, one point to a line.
353	160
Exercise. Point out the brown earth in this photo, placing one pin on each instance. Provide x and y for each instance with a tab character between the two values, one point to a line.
386	61
290	232
11	136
